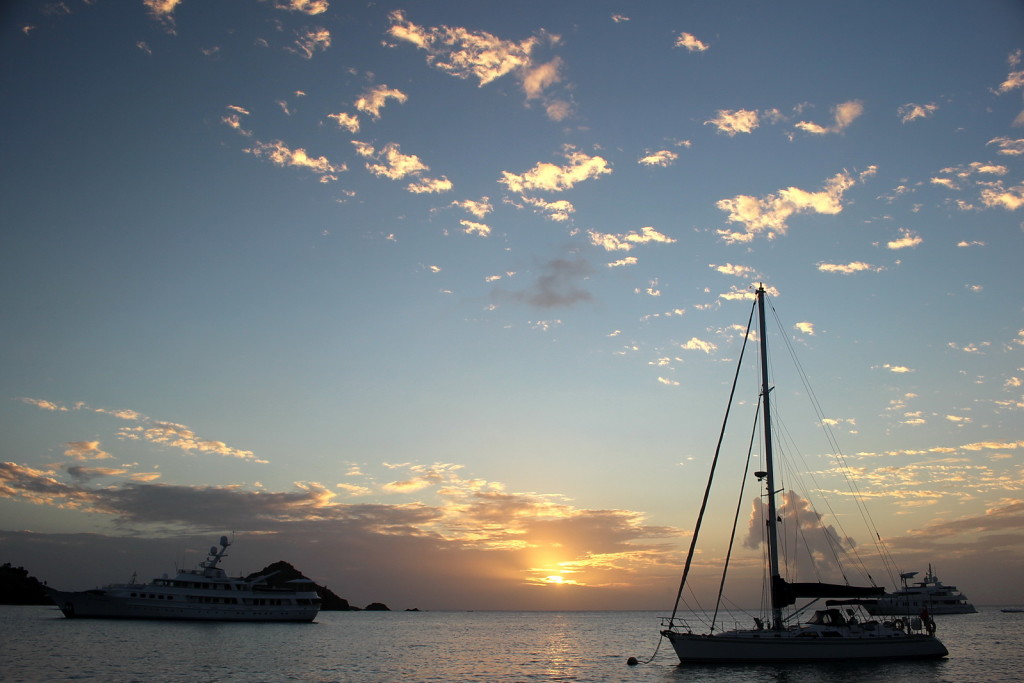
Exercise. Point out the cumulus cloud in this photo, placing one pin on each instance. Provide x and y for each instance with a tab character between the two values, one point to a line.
691	43
85	450
559	210
626	241
849	268
160	432
280	154
163	11
479	208
474	228
738	271
912	112
311	41
1007	146
696	344
907	238
349	122
430	185
736	121
768	216
480	55
552	178
389	161
998	196
310	7
842	116
660	158
374	99
820	545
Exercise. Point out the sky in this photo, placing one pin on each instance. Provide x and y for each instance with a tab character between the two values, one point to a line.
441	301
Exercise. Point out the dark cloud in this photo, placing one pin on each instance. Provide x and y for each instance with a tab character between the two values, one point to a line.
555	287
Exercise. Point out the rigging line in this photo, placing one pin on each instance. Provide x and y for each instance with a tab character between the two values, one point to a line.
736	517
714	463
837	452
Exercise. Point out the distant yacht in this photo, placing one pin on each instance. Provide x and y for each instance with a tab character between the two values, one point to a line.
206	593
930	594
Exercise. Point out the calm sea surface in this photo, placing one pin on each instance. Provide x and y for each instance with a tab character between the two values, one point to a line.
37	643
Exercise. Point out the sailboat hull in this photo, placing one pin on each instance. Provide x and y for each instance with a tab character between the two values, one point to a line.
769	646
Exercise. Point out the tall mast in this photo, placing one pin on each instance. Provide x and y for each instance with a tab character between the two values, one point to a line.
773	530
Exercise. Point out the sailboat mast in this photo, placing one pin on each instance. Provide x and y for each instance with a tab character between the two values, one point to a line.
773	529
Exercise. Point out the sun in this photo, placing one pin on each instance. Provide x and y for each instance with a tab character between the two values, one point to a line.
554	579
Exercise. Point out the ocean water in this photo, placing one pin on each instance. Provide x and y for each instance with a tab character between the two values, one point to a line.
39	644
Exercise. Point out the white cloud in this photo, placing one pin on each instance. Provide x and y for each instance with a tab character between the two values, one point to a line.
690	42
661	158
349	122
849	268
280	154
626	242
912	112
843	115
907	238
553	178
696	344
769	215
310	7
311	41
736	121
479	208
374	99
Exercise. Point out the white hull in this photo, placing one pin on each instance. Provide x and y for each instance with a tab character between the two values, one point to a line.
767	646
97	604
206	594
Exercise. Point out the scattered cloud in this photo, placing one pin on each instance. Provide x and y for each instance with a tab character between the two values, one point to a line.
736	121
696	344
349	122
311	41
85	450
769	215
1007	146
560	210
552	178
626	242
479	208
374	99
843	115
849	268
691	43
464	53
912	112
474	228
805	327
907	238
738	271
661	158
280	154
310	7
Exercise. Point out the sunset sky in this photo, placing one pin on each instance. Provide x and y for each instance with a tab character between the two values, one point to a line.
438	301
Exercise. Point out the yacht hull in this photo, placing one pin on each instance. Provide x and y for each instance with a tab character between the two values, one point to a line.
98	604
767	646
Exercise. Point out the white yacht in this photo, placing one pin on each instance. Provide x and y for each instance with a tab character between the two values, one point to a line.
206	593
930	594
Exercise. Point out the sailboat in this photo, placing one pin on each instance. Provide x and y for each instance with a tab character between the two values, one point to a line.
834	633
